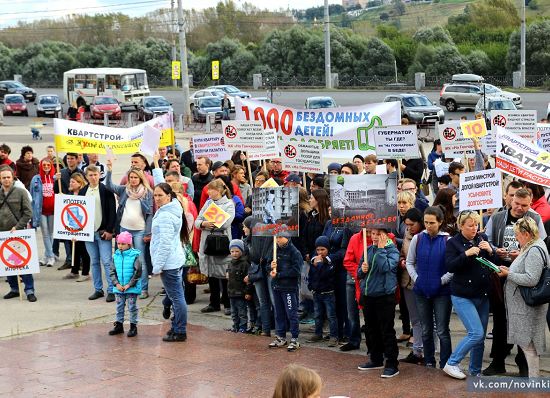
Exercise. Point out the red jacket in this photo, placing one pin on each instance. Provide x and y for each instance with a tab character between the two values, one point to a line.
542	207
204	195
282	175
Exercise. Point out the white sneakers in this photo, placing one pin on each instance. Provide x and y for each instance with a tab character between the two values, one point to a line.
454	371
50	262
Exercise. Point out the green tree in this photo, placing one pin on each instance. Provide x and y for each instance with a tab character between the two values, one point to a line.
399	7
384	16
479	61
494	13
447	61
378	59
537	50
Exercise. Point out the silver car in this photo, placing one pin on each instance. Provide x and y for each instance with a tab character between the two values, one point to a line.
492	103
464	95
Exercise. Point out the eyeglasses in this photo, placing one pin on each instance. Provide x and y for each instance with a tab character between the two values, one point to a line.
135	168
276	162
259	180
465	212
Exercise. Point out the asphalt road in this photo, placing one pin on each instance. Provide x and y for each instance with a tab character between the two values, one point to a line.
296	99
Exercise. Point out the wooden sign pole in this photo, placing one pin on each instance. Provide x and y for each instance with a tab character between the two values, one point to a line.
249	170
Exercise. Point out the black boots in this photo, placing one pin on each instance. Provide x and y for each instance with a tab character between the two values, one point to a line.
119	328
133	330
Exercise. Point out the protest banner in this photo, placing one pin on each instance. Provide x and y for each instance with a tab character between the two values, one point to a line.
79	137
150	141
489	143
271	147
74	218
211	146
216	215
342	132
543	136
453	142
301	156
19	253
521	158
243	135
522	123
275	210
271	183
441	168
480	190
364	201
396	142
474	128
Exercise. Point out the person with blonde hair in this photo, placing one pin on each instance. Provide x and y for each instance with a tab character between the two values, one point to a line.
134	214
295	381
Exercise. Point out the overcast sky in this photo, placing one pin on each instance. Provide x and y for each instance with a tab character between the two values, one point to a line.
29	10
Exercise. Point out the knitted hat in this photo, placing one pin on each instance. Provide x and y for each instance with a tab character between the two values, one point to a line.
284	232
248	222
124	237
334	166
340	180
322	241
238	244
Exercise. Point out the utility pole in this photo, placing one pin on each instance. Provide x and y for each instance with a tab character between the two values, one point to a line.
327	47
522	84
173	34
183	56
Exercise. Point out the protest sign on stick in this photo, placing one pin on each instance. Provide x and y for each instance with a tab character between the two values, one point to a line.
74	217
396	142
275	210
480	190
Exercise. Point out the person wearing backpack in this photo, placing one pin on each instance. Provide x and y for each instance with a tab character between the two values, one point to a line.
426	266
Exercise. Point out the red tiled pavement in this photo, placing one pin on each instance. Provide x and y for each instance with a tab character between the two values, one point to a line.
87	362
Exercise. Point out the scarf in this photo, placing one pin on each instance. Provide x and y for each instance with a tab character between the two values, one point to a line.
140	193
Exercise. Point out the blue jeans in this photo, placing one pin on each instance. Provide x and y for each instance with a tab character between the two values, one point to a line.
286	313
239	312
325	302
441	307
67	245
46	226
173	283
474	314
121	299
341	304
28	280
100	251
139	244
225	113
265	304
166	302
353	316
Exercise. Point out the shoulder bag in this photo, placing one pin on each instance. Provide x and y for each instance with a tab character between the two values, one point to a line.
216	244
255	271
540	293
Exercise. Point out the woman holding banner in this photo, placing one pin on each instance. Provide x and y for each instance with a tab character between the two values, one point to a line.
214	266
43	199
76	183
134	214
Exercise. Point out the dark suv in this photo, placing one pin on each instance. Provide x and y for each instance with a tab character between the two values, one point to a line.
417	108
14	87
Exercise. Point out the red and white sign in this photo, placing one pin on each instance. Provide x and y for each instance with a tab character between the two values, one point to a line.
522	123
243	135
480	190
211	146
453	141
74	217
18	253
271	147
301	156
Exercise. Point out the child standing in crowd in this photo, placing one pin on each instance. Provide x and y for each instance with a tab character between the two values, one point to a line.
378	275
125	274
286	269
239	290
321	284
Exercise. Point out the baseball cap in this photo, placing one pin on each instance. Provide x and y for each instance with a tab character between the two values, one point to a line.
293	178
219	164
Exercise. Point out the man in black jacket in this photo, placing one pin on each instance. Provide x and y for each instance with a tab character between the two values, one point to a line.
201	179
101	249
188	158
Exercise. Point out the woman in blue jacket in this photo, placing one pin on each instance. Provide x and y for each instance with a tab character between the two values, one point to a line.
436	153
470	291
426	266
134	214
168	257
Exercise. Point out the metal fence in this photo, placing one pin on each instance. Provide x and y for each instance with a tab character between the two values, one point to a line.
535	81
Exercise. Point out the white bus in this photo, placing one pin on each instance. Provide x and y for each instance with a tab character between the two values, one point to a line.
128	86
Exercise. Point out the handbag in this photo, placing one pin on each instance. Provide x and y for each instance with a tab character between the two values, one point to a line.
216	244
540	293
190	259
195	277
255	273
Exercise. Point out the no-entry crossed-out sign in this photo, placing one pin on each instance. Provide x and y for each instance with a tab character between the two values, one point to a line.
74	217
18	253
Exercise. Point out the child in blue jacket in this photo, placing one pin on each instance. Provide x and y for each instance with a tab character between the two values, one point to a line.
285	272
125	273
321	283
378	275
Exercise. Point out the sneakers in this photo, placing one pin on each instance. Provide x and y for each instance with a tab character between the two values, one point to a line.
278	343
314	339
162	292
307	321
294	345
175	338
411	358
242	331
371	365
454	371
348	347
166	312
83	278
70	275
227	311
44	261
493	369
50	262
389	373
333	342
118	329
489	336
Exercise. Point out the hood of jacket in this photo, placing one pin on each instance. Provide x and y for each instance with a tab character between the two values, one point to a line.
174	207
46	177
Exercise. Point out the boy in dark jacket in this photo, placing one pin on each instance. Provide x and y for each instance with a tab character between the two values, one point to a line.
285	273
378	275
239	291
321	283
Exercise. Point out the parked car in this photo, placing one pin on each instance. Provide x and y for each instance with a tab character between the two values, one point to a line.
152	106
48	105
203	106
319	103
492	103
105	105
494	91
417	108
15	87
231	91
262	99
14	104
206	93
